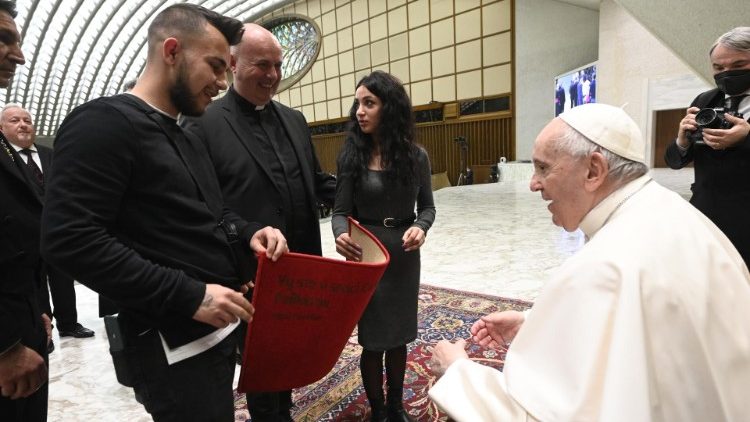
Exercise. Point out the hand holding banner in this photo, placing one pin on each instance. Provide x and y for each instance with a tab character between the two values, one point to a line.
306	308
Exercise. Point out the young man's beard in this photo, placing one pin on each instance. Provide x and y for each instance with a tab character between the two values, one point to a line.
181	97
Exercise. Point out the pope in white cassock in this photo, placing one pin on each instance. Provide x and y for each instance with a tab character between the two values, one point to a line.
649	321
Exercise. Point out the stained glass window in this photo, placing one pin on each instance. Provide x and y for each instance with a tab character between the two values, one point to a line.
300	43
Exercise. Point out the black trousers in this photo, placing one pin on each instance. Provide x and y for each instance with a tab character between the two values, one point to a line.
63	292
195	389
270	407
34	407
107	307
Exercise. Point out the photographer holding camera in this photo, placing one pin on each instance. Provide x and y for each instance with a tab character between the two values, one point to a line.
715	135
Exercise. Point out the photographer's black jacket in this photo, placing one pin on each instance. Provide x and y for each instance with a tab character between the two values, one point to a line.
722	180
133	211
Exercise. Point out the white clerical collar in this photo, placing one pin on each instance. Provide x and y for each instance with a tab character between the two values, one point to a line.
260	107
600	214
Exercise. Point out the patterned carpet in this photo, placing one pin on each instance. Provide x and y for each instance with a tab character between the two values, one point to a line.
443	314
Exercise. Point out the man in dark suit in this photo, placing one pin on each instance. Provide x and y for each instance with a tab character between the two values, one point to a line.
721	156
559	99
573	90
18	127
266	164
23	331
134	211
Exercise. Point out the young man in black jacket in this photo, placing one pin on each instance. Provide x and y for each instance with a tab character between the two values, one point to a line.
134	211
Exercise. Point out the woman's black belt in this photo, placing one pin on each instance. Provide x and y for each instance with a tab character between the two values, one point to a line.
388	221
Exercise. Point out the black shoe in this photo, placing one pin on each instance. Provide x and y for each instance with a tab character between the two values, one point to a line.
286	417
77	331
50	347
397	413
378	415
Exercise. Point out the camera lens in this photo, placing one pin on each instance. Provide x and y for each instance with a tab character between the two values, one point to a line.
707	117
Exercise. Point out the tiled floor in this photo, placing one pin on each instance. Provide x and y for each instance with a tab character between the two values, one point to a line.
495	239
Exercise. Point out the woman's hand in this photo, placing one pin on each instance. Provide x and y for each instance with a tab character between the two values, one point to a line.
413	238
347	248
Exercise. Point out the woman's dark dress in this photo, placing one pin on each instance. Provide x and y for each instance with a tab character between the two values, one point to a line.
390	319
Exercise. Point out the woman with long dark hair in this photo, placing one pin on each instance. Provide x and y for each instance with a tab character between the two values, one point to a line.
382	174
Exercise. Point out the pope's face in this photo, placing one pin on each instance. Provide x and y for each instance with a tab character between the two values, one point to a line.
559	177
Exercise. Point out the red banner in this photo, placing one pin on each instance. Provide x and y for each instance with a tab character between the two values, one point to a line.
306	308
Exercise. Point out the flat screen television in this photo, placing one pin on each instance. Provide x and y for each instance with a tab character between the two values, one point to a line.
575	87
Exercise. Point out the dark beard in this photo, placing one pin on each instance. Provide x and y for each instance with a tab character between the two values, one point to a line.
183	100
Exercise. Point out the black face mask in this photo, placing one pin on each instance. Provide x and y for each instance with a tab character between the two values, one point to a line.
733	82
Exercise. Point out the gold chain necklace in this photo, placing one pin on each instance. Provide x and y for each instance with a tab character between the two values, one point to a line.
7	150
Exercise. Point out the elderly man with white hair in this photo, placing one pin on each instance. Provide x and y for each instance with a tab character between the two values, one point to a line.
649	321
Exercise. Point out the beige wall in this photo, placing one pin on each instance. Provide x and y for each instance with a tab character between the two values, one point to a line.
448	50
635	48
443	50
551	38
638	72
689	27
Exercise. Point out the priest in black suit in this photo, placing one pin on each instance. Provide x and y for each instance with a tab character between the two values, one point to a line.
722	160
266	164
17	125
23	331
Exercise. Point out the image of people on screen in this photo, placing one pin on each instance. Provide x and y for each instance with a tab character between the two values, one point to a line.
575	88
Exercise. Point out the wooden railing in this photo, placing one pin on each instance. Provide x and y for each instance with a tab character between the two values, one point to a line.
490	137
327	148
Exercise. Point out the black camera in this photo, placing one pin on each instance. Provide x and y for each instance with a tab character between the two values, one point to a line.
712	118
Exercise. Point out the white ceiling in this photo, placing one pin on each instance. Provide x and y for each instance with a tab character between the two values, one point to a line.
77	50
588	4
